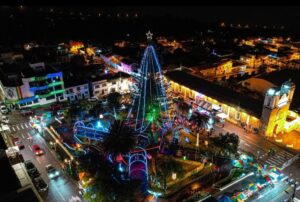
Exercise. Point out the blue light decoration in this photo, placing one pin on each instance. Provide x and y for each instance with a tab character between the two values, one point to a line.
120	168
53	75
88	131
153	193
151	91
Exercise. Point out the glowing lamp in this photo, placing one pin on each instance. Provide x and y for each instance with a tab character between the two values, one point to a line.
271	91
174	176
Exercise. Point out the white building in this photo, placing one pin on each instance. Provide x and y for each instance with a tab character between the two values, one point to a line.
103	85
77	92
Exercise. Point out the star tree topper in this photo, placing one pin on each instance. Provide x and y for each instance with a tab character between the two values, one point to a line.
149	35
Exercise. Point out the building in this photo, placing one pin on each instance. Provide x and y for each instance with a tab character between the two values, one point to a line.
41	85
208	96
19	187
269	116
76	88
276	108
102	85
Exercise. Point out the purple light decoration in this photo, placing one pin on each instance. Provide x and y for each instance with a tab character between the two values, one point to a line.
135	158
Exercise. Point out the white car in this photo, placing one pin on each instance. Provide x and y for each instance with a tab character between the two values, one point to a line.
5	119
3	109
52	172
92	99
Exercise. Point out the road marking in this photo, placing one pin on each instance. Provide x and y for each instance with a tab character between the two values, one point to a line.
30	147
18	127
29	136
13	128
26	125
21	126
22	136
38	161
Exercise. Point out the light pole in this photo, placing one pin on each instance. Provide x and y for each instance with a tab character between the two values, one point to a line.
197	142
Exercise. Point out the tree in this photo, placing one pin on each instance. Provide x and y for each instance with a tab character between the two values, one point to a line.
105	186
166	167
114	100
228	142
200	119
121	138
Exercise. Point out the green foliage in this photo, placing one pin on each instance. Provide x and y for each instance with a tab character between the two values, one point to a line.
228	142
168	165
121	138
114	100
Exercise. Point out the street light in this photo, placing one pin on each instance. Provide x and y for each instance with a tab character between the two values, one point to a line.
174	176
101	116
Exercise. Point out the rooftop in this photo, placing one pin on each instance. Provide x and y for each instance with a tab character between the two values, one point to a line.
72	79
98	77
220	93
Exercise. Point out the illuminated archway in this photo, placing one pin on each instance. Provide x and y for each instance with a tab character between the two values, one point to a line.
137	163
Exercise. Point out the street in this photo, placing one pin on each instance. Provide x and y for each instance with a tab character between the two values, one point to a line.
62	188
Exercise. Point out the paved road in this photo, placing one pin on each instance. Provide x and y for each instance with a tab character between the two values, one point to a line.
257	145
62	189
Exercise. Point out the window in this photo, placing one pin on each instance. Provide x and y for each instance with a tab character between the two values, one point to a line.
59	87
114	82
112	90
36	101
97	86
86	93
102	92
59	94
96	92
86	87
104	85
29	103
50	97
78	88
71	90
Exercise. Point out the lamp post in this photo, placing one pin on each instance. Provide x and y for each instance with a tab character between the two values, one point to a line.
197	143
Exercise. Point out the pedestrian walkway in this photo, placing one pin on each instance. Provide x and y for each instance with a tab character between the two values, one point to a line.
279	159
20	126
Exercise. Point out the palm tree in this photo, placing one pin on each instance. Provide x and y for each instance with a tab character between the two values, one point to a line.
200	120
121	138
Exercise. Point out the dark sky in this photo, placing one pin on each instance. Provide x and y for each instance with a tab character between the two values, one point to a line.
270	15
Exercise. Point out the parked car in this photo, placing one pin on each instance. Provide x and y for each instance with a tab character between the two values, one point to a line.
18	142
40	184
5	119
60	114
29	165
3	109
34	173
51	171
37	150
26	112
92	99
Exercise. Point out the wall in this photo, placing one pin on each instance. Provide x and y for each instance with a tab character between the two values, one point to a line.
73	92
105	87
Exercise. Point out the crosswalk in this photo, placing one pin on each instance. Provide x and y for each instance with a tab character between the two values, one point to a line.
20	126
279	159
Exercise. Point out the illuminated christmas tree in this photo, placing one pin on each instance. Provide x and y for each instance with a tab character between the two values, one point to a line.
150	104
